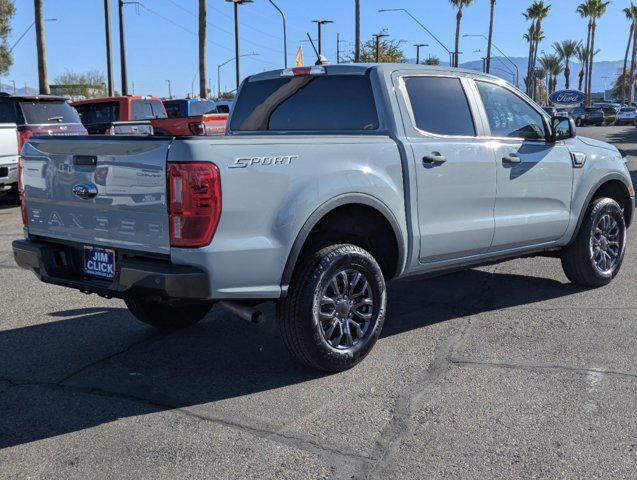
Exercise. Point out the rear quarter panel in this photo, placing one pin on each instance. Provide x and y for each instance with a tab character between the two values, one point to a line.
264	206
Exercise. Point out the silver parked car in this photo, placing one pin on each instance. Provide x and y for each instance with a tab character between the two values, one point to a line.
330	181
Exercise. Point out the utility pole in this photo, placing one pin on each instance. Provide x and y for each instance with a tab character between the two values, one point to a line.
122	49
378	36
109	58
202	49
338	47
320	24
418	46
41	47
357	48
236	37
170	92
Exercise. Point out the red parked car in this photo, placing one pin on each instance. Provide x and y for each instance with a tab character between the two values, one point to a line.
98	115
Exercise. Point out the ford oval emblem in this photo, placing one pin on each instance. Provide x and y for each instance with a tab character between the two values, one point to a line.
85	190
567	97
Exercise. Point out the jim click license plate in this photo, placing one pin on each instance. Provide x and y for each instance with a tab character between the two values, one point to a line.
99	262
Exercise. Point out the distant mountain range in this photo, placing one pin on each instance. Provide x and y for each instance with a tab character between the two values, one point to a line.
604	73
24	90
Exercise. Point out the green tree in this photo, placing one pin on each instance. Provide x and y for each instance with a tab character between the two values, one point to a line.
582	58
552	67
432	61
459	5
631	15
390	51
90	84
7	11
537	12
566	50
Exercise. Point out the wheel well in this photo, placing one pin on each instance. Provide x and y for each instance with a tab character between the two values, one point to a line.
359	225
618	191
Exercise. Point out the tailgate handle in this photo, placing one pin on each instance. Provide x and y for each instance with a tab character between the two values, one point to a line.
85	160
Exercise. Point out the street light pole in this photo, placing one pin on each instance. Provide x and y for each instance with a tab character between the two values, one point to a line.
122	49
225	63
27	31
378	36
236	37
418	46
517	70
383	10
170	93
320	24
285	37
357	27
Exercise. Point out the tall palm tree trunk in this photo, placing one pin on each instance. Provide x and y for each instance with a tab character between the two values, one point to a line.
457	48
488	65
357	47
567	74
530	59
633	65
536	46
588	58
591	60
203	93
624	73
41	47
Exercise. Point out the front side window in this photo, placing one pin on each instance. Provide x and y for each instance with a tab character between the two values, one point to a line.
509	115
440	106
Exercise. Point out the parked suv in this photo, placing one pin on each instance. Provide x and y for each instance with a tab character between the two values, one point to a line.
626	115
330	181
587	116
27	115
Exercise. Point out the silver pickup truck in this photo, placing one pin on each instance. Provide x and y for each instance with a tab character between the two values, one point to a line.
331	180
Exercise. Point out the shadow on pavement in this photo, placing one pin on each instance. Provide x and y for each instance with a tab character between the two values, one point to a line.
221	358
9	200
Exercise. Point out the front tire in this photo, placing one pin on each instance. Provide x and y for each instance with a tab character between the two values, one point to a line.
168	314
335	308
597	253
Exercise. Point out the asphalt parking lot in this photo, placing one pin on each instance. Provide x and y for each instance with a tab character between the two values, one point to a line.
506	371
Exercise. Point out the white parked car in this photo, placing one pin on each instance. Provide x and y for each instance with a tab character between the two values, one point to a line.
627	115
8	157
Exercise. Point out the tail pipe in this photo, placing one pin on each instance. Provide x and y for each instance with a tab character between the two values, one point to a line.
245	311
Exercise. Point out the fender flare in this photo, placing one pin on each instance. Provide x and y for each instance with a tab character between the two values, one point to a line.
327	207
589	197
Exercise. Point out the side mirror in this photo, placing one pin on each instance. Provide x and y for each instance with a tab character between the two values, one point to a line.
563	128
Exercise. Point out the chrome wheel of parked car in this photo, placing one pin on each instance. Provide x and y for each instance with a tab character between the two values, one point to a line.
345	310
606	244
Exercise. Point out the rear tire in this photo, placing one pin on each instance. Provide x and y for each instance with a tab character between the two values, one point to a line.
335	308
168	314
597	253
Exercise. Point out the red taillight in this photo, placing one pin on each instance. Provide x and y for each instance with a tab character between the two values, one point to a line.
23	136
195	203
198	128
23	201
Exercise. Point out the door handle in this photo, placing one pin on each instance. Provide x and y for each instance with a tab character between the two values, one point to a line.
511	158
434	158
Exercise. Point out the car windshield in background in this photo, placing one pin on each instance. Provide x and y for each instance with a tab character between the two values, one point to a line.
147	109
106	112
39	112
306	103
202	108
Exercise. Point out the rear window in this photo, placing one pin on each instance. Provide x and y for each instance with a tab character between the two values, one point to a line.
311	103
106	112
147	109
38	112
173	109
202	108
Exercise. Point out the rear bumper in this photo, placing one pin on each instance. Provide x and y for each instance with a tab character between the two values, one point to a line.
134	278
8	175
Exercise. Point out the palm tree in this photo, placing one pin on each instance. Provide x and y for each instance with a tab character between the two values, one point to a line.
566	50
631	15
537	12
202	49
599	9
552	66
41	47
488	65
357	28
585	11
582	58
459	4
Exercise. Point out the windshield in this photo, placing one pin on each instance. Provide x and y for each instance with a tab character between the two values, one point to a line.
38	112
92	113
310	103
202	108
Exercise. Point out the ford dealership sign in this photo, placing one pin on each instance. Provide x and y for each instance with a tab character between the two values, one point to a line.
566	97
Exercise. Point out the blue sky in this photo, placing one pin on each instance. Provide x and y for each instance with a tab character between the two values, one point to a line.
161	40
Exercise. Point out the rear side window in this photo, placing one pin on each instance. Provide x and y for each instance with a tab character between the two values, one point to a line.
147	109
202	108
8	113
173	109
311	103
509	115
440	106
36	113
106	112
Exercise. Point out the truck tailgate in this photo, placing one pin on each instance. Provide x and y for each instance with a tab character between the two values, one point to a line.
98	191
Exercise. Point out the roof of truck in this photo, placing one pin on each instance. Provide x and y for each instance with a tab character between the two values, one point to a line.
43	98
385	68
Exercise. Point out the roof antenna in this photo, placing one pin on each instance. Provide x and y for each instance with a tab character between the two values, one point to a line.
320	59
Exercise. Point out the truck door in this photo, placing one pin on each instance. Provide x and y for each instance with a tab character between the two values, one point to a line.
455	169
534	176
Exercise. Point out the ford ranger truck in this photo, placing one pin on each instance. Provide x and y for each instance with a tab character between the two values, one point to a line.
330	181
